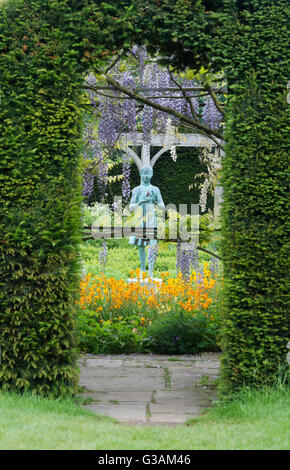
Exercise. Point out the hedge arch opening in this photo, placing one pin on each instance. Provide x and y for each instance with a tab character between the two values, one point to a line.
46	48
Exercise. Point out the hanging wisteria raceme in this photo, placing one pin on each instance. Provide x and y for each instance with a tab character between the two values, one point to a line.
97	167
152	253
102	174
128	107
88	183
126	190
148	80
214	265
187	261
203	194
210	115
109	124
88	177
142	55
169	139
161	118
103	255
147	122
213	164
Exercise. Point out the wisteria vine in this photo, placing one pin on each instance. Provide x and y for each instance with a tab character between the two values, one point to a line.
115	113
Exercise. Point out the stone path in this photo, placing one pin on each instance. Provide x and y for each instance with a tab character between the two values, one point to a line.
149	389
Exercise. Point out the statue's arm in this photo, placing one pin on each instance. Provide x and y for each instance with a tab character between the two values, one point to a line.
159	200
134	199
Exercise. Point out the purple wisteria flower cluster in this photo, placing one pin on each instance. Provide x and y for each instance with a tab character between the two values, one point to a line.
214	265
126	190
188	261
103	255
152	253
88	183
210	115
97	165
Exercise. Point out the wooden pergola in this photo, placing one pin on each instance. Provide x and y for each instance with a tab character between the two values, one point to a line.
127	141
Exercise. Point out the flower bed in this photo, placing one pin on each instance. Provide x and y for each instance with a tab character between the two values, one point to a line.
179	316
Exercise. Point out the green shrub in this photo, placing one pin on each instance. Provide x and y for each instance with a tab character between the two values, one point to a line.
111	337
179	333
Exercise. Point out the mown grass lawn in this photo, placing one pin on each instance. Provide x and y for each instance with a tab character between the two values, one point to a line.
253	420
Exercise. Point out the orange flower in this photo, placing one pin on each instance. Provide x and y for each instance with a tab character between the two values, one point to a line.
108	294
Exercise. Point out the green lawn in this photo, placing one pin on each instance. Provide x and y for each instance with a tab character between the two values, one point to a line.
123	258
254	420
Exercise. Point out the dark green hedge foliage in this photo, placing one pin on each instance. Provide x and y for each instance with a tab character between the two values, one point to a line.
256	199
45	47
172	178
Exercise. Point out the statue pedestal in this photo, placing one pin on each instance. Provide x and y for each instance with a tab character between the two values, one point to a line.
147	282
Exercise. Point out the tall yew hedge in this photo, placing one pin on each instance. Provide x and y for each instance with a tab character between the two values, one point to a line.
45	48
256	195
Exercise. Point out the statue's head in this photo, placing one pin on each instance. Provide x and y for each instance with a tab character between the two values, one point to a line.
146	173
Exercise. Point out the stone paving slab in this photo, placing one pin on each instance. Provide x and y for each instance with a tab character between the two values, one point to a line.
186	396
101	362
120	396
169	419
121	383
184	402
148	389
123	372
174	409
134	412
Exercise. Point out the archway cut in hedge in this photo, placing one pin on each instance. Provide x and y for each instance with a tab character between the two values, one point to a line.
46	48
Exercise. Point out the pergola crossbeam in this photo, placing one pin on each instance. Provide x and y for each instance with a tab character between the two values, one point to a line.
126	141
